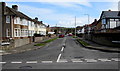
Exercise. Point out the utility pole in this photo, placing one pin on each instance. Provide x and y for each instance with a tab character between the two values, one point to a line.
75	26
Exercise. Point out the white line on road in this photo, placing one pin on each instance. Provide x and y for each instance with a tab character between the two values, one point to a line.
62	49
62	61
104	60
29	62
47	61
2	62
115	59
58	58
91	60
16	62
76	60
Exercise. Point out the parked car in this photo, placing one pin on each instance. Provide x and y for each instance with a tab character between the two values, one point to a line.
61	36
70	35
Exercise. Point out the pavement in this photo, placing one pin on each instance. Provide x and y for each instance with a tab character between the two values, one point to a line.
93	45
63	53
23	48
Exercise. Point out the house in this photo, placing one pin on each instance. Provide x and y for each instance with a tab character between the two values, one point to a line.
14	25
110	20
80	29
106	30
40	28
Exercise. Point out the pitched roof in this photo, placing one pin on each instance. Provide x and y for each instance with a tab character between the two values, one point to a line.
20	14
110	14
16	13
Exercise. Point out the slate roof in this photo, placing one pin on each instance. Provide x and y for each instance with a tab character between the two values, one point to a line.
110	14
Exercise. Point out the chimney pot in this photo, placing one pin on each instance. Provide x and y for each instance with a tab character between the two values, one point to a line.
109	10
15	7
36	18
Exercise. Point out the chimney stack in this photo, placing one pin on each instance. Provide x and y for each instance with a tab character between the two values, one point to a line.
36	18
109	10
15	7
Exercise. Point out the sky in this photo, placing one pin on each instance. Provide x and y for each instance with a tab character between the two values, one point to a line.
63	12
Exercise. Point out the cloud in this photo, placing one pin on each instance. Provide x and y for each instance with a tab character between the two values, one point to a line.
47	15
80	21
60	0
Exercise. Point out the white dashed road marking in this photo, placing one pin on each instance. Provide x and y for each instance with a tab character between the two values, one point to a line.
58	57
91	60
104	60
63	61
30	62
115	59
2	62
47	61
76	60
16	62
62	49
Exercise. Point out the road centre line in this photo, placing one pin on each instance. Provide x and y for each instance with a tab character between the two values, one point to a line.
62	49
58	58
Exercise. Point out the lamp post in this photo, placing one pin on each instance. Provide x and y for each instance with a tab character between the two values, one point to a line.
88	22
75	26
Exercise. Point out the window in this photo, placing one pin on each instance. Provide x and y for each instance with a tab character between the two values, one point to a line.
17	20
7	19
103	21
117	23
7	32
17	32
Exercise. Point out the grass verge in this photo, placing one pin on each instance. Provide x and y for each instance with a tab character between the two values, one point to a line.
74	36
45	42
83	42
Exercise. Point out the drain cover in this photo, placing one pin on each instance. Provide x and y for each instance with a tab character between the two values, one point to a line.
25	67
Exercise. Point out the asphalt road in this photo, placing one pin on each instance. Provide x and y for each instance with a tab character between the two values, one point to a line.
63	53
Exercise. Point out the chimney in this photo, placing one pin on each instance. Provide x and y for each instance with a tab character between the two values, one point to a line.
109	10
15	7
36	18
41	22
95	20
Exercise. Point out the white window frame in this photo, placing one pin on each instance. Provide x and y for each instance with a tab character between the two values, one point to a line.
7	32
7	19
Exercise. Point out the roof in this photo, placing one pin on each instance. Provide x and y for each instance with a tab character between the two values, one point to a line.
17	13
110	14
20	14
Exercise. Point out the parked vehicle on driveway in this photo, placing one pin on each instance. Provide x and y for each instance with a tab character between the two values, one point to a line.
61	36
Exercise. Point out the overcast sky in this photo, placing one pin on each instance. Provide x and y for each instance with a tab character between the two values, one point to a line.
63	12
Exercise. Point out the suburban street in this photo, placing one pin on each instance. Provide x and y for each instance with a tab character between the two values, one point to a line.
63	53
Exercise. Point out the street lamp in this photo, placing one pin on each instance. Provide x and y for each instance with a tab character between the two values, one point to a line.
88	21
75	26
